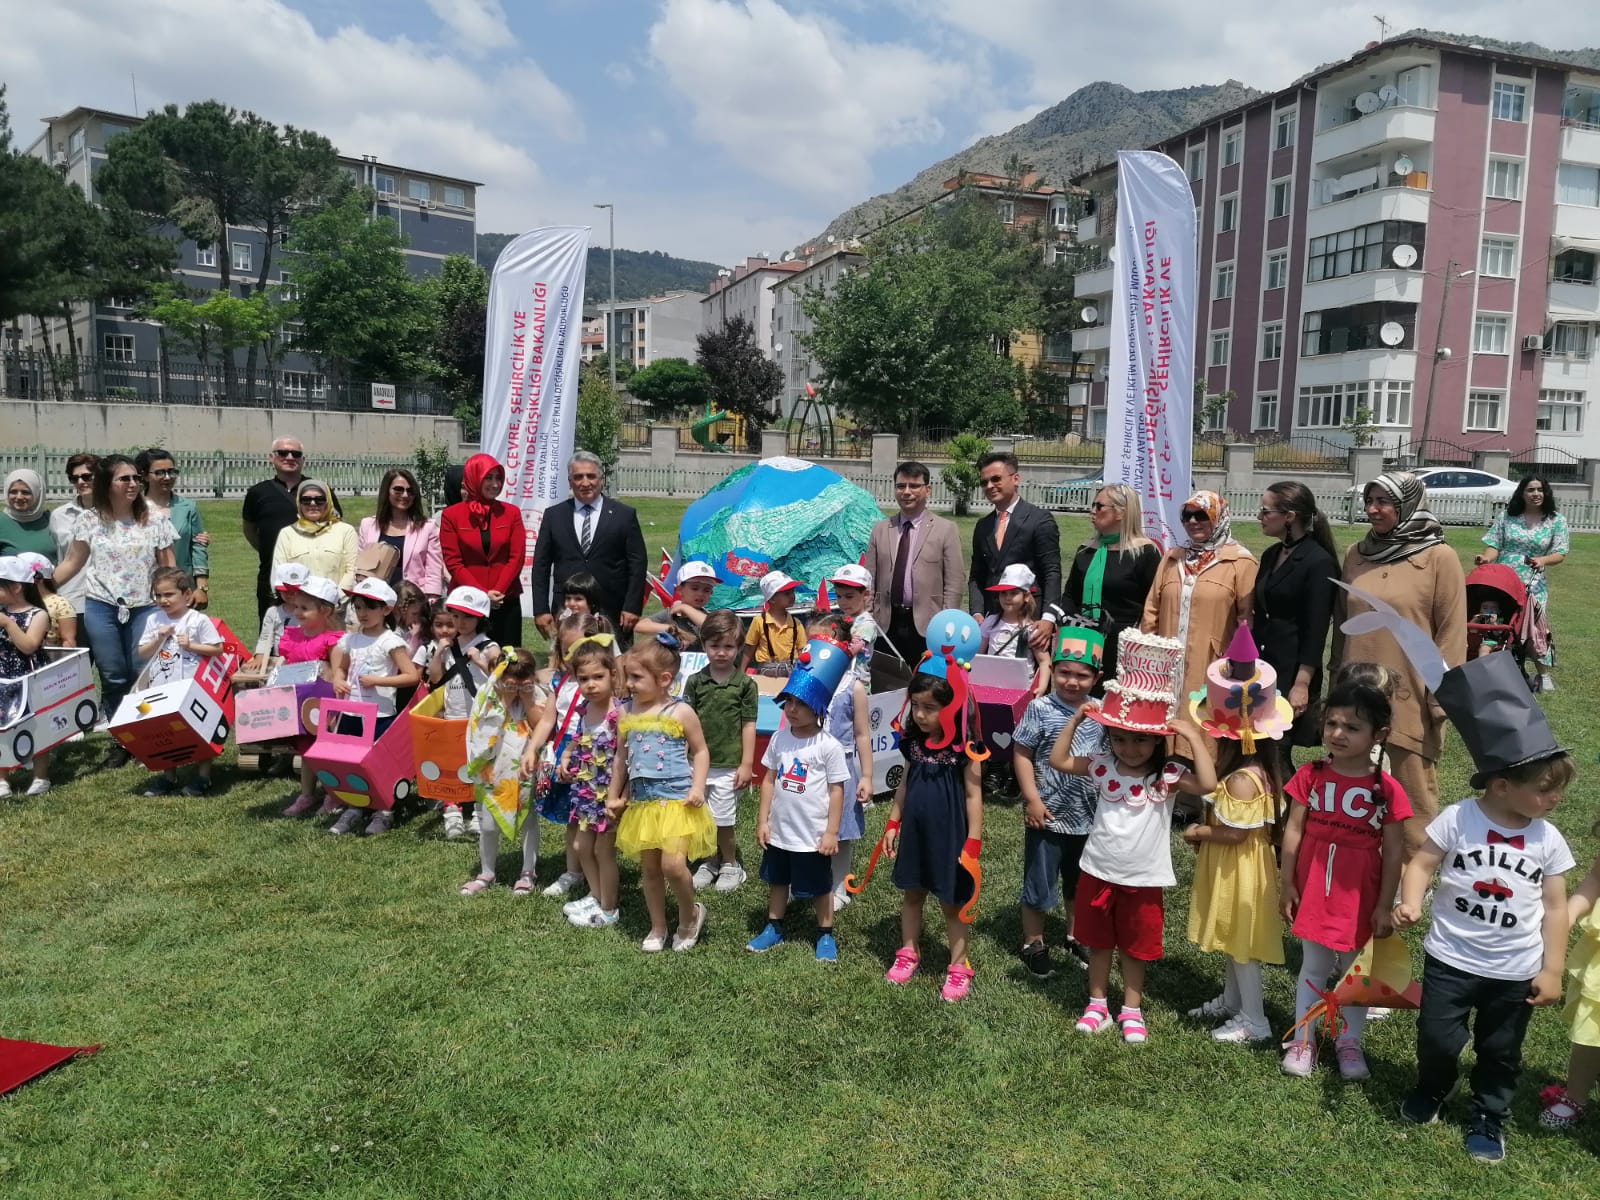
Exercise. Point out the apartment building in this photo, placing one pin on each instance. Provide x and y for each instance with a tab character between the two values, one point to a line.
648	330
1407	239
820	274
746	291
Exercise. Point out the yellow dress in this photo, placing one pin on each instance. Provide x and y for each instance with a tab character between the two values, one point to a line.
658	816
1583	982
1234	904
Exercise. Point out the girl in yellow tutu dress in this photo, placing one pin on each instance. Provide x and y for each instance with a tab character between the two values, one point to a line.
1564	1105
658	789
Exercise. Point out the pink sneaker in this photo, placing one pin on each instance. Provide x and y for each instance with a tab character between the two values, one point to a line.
1299	1060
329	806
1352	1062
957	983
905	966
302	805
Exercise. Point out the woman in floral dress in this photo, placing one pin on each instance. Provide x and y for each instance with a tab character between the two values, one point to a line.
1530	537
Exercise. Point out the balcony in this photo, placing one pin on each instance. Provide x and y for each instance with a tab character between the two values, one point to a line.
1578	221
1580	144
1394	124
1398	203
1573	301
1096	337
1094	283
1565	372
1404	286
1356	364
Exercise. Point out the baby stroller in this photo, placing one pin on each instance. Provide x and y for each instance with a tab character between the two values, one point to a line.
1497	614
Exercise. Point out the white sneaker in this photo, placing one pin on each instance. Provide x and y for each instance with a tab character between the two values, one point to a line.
1212	1010
841	897
472	826
38	787
1379	1014
730	877
1240	1030
705	874
599	918
563	885
5	787
454	823
580	916
348	822
579	906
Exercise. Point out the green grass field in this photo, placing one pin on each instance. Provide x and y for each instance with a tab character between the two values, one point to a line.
287	1014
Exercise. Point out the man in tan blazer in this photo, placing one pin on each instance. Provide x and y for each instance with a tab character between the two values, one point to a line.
927	549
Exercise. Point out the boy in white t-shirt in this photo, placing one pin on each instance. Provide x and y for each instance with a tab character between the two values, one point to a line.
174	639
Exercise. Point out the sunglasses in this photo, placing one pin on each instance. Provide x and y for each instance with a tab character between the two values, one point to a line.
313	501
1270	512
400	489
166	473
128	479
290	453
1100	506
1190	514
366	602
990	480
82	477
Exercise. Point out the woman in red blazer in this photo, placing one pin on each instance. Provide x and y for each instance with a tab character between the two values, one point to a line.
483	540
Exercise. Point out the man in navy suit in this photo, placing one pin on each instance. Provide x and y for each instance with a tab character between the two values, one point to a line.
1015	532
589	534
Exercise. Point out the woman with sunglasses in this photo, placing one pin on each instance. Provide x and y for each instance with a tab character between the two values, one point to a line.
319	539
116	545
64	520
402	522
160	471
1112	571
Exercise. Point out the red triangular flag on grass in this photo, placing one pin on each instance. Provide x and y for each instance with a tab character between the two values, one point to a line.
22	1061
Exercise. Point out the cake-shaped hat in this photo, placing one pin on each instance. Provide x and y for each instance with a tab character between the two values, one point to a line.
817	674
1142	696
1241	699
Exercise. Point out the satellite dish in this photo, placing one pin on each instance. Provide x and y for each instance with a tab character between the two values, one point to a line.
1403	165
1388	93
1405	256
1368	102
1392	333
1111	254
1089	314
853	244
788	256
830	239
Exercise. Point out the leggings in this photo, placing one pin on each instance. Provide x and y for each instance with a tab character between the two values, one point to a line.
489	841
1318	965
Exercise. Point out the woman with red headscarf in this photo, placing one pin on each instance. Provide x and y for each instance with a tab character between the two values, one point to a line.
483	541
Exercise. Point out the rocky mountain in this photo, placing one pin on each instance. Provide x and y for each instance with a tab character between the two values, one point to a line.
639	272
1084	130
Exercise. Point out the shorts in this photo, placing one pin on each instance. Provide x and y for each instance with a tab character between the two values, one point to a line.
805	873
1049	857
1110	916
722	798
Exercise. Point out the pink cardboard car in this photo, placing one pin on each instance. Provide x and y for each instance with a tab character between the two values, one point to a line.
356	769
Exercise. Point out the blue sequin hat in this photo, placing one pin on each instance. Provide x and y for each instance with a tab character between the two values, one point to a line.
817	674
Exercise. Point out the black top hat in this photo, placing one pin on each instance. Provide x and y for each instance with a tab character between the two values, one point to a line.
1488	702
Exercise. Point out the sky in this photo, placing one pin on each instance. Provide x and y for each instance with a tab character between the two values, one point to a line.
718	128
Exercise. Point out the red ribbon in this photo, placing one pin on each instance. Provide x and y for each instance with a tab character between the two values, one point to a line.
1499	839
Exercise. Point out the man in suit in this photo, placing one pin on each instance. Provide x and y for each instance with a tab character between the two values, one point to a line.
589	534
1015	532
915	559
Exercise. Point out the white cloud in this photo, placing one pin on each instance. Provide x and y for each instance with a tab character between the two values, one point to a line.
478	25
620	74
792	97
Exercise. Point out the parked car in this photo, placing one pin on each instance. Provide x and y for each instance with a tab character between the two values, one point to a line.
1073	494
1456	495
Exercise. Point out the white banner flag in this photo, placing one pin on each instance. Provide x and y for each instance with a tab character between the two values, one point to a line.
1150	376
530	367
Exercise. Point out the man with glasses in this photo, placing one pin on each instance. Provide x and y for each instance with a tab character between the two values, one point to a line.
1015	532
269	508
589	534
915	560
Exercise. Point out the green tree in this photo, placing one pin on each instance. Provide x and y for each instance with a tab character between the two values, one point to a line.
599	428
743	381
458	297
671	387
1208	408
211	324
961	475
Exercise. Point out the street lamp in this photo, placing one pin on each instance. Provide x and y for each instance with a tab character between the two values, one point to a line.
1440	353
611	315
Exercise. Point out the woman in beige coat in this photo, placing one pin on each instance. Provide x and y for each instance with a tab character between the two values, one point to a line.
1405	561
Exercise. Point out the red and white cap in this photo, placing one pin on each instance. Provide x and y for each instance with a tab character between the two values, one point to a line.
772	583
697	570
319	588
372	588
1015	578
852	575
289	576
470	600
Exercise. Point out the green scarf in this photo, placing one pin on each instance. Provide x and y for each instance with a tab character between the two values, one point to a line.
1095	577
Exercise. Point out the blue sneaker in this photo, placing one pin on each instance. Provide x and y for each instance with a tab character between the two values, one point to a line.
765	940
1484	1143
827	948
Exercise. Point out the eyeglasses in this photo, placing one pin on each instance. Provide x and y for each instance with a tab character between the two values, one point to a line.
916	485
313	501
1190	514
82	477
1270	512
166	473
580	476
400	489
290	453
366	602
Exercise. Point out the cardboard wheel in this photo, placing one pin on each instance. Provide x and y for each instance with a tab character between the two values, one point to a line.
85	715
402	791
892	778
22	745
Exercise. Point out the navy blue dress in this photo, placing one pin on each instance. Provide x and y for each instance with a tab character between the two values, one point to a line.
933	824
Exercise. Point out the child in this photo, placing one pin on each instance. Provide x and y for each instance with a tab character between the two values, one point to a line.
1057	809
22	632
852	588
286	579
1127	857
41	594
726	701
311	639
802	799
173	641
552	796
1564	1104
1498	939
586	767
370	664
658	790
497	736
1233	906
460	658
686	615
1006	632
580	595
774	639
1343	847
848	719
411	617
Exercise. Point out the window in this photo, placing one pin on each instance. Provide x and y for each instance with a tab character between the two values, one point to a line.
1509	101
1283	129
1058	214
1559	412
301	384
1497	256
119	302
1277	269
418	189
1224	287
1491	334
455	197
1412	85
1505	178
384	184
1392	401
1486	412
1380	401
1266	411
1365	248
1216	415
1282	197
1221	348
286	288
1007	210
1575	266
289	333
205	256
1578	185
1230	214
1358	327
1570	339
1272	342
1232	145
1196	162
242	256
119	347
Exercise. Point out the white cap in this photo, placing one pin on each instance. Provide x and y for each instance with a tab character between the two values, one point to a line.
41	566
1015	578
286	577
697	570
774	582
14	570
852	575
319	588
372	588
470	600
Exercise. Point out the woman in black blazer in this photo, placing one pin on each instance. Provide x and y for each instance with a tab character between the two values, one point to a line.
1127	567
1294	602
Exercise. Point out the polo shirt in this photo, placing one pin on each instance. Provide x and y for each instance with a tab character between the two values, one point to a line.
723	709
269	506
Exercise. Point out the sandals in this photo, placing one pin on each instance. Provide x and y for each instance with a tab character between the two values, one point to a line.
1096	1017
1131	1022
1559	1110
477	884
524	885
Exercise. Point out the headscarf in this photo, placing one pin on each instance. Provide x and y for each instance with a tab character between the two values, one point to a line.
473	474
1198	555
330	511
34	484
1415	531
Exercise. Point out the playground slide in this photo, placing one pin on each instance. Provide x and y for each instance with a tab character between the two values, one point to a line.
700	431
